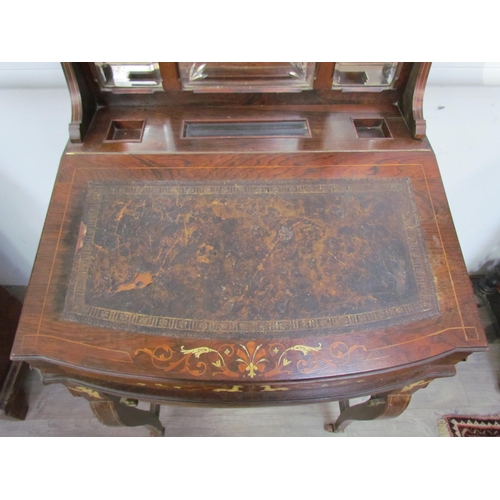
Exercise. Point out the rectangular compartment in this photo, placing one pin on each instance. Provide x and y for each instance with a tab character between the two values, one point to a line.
125	131
267	128
371	128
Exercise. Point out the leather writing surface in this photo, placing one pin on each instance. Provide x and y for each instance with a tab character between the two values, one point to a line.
233	258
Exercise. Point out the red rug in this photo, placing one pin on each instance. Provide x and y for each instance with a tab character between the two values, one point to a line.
469	426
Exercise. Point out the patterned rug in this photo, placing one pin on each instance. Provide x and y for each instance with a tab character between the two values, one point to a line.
469	426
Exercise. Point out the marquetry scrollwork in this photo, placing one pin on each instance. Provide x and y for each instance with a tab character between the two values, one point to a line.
250	360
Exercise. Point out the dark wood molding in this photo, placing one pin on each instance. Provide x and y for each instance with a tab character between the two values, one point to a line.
411	102
83	105
170	75
324	76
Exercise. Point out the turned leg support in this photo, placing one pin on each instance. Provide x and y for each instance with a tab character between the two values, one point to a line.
379	406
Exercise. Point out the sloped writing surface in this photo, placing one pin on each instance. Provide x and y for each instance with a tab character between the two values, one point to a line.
236	258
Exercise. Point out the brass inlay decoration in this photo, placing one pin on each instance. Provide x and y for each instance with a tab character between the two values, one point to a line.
235	388
420	383
241	259
250	359
304	349
86	390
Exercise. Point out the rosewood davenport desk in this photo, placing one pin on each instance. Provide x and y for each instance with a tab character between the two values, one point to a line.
247	234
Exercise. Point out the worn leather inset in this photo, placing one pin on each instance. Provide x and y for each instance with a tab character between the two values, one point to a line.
240	258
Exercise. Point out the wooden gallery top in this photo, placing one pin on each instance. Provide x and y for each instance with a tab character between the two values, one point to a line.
247	234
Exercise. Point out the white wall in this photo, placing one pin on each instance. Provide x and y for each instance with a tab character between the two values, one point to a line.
462	109
35	111
463	126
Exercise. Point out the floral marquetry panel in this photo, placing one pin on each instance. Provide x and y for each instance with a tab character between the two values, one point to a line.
250	258
251	360
247	76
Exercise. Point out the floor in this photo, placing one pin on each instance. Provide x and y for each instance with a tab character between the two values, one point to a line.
473	391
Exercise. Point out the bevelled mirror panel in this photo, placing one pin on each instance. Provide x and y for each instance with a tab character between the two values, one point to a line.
247	76
354	75
128	75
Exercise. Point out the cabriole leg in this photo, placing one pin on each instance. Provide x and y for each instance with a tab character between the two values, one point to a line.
379	406
120	412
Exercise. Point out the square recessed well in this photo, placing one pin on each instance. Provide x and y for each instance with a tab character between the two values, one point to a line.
371	128
125	131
